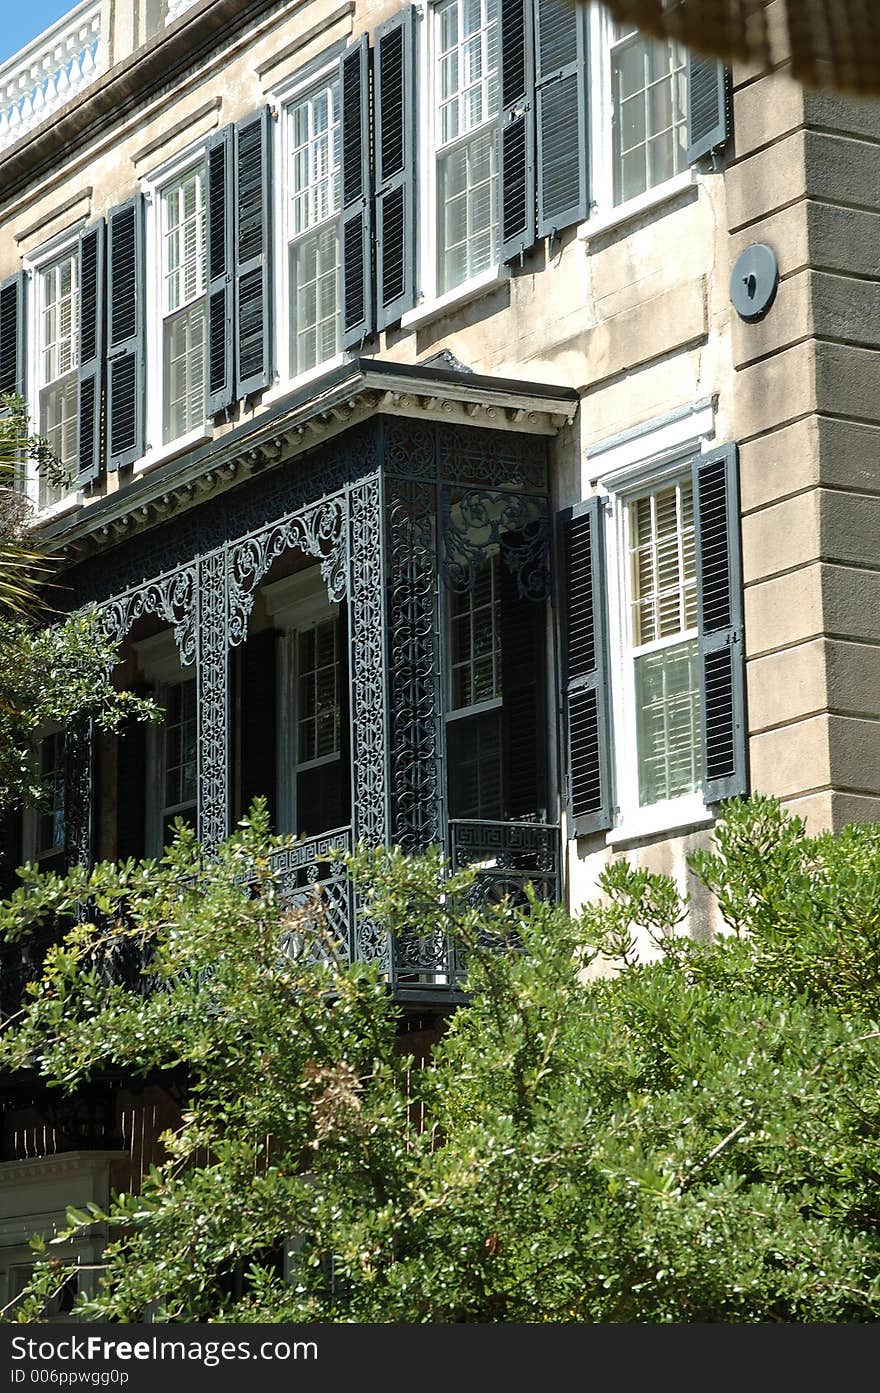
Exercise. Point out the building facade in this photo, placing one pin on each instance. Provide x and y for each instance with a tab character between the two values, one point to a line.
419	460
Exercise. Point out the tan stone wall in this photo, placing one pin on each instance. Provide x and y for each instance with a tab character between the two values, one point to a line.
807	409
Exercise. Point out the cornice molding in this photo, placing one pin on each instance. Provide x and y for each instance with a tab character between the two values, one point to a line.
156	65
299	422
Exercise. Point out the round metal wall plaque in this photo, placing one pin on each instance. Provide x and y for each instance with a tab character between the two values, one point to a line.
753	282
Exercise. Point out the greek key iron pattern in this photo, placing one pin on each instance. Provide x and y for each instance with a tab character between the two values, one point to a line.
414	646
369	687
212	704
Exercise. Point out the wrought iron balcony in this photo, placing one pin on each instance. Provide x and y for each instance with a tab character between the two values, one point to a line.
41	78
325	921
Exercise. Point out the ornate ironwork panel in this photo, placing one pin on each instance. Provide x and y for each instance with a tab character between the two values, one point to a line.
78	792
492	459
171	597
476	522
414	667
319	531
212	674
369	686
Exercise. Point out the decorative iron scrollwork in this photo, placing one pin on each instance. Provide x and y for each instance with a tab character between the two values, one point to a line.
318	531
171	598
516	524
414	670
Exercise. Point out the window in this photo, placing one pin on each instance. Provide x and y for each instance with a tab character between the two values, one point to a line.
182	238
466	85
312	227
57	360
318	715
662	641
43	822
312	768
649	110
178	758
474	729
638	111
179	754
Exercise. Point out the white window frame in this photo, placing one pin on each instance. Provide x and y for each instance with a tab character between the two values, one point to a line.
159	662
317	73
621	470
295	605
37	261
152	185
430	301
604	212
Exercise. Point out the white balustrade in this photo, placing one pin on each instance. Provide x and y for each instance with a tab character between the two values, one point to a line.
176	8
39	79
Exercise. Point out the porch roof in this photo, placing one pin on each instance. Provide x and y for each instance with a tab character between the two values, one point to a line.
300	420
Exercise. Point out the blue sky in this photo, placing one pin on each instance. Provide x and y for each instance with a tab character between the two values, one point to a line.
23	20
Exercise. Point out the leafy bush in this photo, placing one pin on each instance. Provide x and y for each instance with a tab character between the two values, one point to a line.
690	1139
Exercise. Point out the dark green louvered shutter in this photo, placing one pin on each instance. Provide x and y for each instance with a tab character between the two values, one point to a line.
253	288
357	202
131	786
708	106
125	333
517	139
524	753
395	133
720	618
561	112
589	726
220	231
257	659
90	385
12	336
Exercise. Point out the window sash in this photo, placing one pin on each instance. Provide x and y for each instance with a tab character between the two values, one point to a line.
657	148
179	775
315	295
59	423
310	697
465	153
667	727
314	160
183	233
184	359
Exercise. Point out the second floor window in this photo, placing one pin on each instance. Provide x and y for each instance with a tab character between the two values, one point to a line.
58	358
313	227
183	304
466	46
649	110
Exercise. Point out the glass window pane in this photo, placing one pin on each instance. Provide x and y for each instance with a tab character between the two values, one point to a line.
668	728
